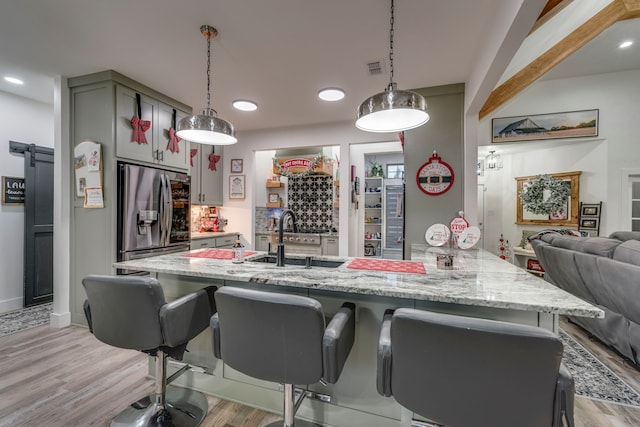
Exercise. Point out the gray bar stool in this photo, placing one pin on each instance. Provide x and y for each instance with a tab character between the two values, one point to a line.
281	338
131	312
470	372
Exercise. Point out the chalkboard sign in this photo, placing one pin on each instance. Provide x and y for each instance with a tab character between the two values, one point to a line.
12	190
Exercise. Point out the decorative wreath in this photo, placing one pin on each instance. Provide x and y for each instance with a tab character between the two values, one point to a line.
317	161
533	199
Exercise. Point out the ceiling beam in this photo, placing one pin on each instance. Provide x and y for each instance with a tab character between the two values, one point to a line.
617	10
633	9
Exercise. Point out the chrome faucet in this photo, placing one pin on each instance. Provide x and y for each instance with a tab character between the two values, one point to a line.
280	250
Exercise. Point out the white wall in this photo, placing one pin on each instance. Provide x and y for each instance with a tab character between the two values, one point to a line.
30	122
601	159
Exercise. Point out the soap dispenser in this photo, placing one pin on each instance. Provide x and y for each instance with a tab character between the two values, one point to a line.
238	252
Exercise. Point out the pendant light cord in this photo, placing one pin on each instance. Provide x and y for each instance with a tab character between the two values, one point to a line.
391	43
208	73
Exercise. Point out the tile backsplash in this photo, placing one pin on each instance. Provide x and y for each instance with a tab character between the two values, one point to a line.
310	198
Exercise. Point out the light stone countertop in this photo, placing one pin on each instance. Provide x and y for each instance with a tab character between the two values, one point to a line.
479	278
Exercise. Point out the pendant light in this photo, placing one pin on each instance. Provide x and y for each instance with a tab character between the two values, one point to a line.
392	110
207	128
493	161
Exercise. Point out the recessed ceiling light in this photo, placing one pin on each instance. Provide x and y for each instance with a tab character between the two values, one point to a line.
625	44
14	80
331	94
244	105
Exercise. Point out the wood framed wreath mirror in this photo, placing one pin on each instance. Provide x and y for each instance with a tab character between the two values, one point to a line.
548	192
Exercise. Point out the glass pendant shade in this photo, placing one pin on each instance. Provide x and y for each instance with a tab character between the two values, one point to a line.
206	128
493	161
392	111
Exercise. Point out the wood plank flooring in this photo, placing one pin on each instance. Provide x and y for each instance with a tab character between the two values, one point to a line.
65	377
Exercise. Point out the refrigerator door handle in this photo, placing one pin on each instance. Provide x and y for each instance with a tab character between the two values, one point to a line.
169	207
163	211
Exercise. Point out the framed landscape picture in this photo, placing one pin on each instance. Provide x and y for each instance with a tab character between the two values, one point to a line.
572	124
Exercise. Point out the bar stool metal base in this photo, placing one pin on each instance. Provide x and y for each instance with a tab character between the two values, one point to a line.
187	408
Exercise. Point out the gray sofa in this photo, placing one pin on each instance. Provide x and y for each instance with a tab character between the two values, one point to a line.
605	272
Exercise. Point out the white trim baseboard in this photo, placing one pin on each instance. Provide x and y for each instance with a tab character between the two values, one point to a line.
60	320
11	304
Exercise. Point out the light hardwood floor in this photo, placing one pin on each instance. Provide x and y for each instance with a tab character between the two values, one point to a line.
65	377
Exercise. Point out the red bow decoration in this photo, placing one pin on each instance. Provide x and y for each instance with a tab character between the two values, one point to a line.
401	136
139	128
192	153
213	159
173	141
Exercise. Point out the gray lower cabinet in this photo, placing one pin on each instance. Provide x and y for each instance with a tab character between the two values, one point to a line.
224	242
100	110
262	242
160	116
330	245
206	183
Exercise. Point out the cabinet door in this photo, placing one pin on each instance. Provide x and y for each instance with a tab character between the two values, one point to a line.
211	180
180	158
203	243
330	246
126	108
194	171
225	242
262	243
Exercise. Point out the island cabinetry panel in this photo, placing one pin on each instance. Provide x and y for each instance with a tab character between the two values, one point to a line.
206	174
160	116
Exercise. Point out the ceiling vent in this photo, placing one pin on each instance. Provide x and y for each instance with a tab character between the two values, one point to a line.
375	68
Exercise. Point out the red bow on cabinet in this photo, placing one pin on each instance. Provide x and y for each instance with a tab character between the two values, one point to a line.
192	153
139	128
213	159
173	138
173	141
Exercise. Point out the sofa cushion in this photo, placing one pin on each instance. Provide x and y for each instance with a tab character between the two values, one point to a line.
625	235
628	252
600	246
572	243
622	280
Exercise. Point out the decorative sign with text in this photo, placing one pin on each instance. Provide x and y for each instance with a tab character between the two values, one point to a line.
435	177
13	190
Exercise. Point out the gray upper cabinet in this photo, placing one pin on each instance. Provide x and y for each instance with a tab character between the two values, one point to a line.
156	150
206	184
101	107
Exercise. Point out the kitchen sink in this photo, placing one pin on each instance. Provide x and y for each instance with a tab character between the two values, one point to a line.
271	259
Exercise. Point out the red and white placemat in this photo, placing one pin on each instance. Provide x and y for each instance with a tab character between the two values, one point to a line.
378	264
216	254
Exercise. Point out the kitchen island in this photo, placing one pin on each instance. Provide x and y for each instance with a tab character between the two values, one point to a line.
479	284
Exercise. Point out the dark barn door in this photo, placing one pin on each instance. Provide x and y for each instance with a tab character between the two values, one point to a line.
38	223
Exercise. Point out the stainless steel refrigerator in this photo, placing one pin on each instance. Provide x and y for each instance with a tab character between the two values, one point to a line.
153	212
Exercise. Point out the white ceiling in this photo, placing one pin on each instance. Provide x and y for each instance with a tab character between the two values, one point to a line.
278	53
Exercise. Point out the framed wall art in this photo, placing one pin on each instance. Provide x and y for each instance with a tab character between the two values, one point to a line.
566	216
572	124
236	186
236	165
589	220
